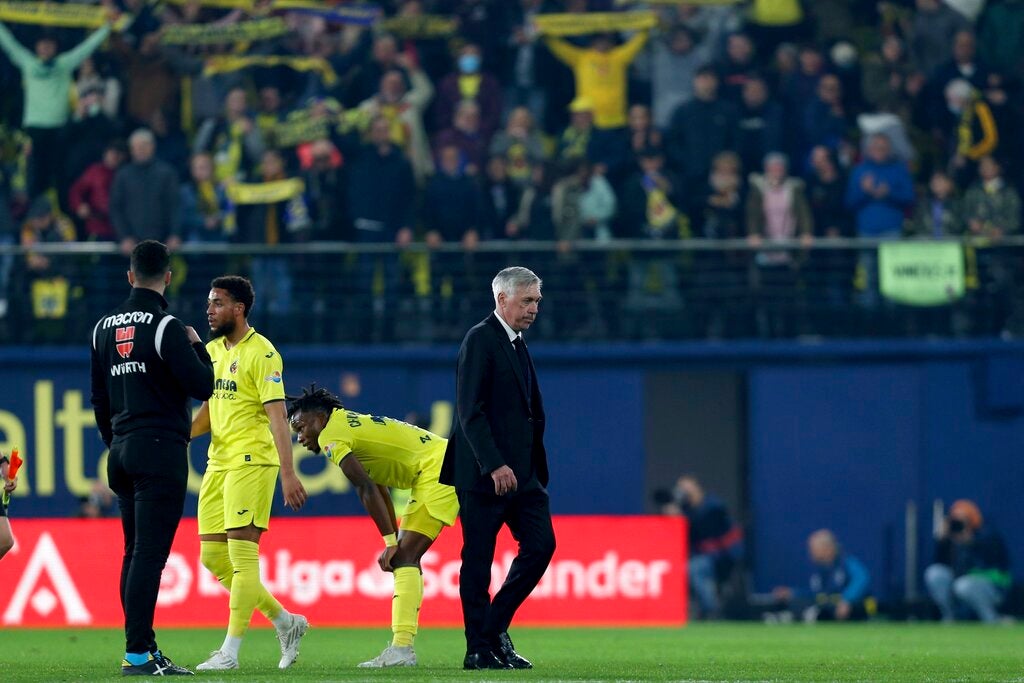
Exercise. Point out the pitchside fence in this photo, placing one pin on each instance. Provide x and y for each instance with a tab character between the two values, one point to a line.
332	292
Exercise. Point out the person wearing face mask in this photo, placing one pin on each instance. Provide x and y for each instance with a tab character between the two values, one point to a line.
46	79
971	132
469	82
971	572
403	108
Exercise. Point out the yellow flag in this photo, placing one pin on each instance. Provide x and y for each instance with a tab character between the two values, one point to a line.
594	22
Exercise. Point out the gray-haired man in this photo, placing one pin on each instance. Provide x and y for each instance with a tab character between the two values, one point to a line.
144	199
497	463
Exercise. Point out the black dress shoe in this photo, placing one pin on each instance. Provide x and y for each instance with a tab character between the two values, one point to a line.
507	653
483	660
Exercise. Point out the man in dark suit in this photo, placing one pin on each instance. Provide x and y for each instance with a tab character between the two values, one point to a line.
497	463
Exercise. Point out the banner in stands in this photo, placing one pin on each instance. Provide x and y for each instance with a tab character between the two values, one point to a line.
606	571
621	3
70	15
229	34
266	193
364	14
227	63
422	26
594	22
921	273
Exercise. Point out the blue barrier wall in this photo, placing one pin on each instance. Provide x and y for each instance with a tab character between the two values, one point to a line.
838	434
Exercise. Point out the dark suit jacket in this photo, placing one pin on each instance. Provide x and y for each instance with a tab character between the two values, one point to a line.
494	423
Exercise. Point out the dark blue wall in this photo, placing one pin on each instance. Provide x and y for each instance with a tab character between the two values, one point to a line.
846	445
838	435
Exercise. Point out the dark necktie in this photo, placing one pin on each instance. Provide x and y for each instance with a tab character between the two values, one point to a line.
524	365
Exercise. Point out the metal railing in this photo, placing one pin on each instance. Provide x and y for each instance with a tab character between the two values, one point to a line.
342	293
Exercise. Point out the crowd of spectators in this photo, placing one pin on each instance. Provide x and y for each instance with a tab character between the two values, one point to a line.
757	120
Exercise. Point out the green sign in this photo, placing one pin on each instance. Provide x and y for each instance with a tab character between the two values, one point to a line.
921	273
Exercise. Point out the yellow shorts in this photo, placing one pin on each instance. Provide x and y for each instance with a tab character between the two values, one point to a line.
232	499
431	507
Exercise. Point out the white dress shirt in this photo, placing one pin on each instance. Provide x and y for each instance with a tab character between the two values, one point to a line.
512	334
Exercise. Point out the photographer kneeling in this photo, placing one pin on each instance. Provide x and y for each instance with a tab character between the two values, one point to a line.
971	573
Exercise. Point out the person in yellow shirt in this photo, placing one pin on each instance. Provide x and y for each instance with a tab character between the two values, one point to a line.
601	73
376	453
250	443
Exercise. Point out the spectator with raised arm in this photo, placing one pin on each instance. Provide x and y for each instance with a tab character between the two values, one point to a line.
675	60
403	107
600	71
46	77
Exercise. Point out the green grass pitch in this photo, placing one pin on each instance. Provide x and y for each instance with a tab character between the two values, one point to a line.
715	652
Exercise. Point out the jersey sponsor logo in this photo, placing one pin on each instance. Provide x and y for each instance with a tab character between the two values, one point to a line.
124	336
234	367
128	368
269	355
126	318
274	377
225	385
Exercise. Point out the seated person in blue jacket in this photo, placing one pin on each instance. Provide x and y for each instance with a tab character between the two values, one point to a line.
971	573
716	542
840	585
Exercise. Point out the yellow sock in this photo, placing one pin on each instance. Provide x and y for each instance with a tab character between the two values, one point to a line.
214	556
245	584
405	608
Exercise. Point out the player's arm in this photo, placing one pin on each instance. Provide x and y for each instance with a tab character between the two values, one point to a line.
390	503
377	503
101	400
294	493
201	422
186	356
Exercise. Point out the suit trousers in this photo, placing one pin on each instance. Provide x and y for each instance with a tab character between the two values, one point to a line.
528	516
149	475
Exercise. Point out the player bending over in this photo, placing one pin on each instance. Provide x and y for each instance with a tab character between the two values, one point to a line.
387	453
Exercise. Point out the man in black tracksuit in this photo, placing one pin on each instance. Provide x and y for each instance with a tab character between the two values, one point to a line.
145	366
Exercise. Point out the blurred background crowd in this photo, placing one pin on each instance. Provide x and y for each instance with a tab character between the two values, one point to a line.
442	135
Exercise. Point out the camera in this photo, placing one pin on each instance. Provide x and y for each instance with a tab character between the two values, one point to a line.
956	526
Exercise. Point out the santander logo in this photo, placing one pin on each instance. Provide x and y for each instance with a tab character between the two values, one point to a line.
306	581
607	571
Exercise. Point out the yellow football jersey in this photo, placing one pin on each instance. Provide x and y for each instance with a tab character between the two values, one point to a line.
246	376
394	453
